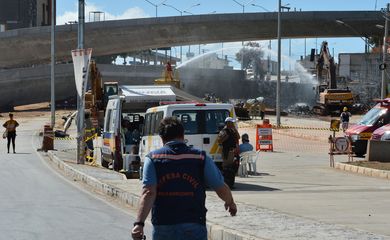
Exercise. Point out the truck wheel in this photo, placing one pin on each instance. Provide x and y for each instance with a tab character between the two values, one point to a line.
117	164
104	163
359	152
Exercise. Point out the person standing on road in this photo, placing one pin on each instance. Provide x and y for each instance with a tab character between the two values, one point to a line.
344	118
262	110
174	182
10	127
228	137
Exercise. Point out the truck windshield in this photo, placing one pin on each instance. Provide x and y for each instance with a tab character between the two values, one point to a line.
372	116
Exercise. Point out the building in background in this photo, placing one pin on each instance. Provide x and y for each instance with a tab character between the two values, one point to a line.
361	72
16	14
211	61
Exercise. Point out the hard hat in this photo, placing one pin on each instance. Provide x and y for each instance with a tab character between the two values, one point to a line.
230	119
345	109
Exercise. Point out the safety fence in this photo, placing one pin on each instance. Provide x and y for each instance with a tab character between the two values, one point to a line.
294	138
68	144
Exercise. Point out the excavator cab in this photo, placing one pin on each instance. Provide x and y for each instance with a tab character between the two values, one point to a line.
109	89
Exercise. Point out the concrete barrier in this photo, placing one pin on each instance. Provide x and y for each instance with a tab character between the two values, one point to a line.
378	151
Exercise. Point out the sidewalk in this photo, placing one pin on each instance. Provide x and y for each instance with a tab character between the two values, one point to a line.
253	221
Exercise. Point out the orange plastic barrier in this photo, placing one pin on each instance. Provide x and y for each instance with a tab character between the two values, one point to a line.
264	136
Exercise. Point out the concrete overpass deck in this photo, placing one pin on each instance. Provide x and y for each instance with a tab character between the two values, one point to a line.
32	45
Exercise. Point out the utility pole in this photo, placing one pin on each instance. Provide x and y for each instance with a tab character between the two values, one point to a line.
80	99
384	52
279	66
53	62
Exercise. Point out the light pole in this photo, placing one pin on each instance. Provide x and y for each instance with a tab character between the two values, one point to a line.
367	45
192	6
53	62
285	7
269	45
181	14
259	6
186	11
279	64
156	6
242	43
384	52
80	107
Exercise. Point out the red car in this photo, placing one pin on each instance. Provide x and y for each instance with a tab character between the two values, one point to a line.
382	133
360	133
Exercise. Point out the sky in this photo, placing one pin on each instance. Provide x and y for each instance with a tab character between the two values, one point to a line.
126	9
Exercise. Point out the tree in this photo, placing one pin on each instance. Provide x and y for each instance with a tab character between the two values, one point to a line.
251	57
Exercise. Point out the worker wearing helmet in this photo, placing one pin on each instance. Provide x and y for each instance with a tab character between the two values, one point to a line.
344	118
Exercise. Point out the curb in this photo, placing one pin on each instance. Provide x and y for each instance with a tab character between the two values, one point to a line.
370	172
215	231
98	185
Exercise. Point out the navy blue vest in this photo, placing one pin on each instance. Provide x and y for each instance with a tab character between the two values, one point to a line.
180	185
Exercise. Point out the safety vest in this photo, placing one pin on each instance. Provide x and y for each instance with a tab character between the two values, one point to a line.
180	185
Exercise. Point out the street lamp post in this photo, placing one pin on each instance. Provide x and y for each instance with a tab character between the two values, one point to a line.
192	6
279	65
156	6
186	11
80	107
384	52
269	45
243	11
181	14
367	45
259	6
53	62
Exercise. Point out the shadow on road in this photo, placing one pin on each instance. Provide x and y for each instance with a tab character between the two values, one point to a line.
252	187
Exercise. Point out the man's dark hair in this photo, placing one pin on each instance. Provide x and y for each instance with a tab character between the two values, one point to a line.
170	128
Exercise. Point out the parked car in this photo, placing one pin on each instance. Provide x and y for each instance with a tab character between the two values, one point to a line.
376	118
382	133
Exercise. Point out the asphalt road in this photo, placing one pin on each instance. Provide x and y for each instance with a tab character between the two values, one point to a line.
37	203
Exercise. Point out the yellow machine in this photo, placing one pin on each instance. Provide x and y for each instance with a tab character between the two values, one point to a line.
330	98
96	99
169	77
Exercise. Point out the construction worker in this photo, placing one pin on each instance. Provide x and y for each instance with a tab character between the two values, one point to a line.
228	137
262	110
169	72
344	118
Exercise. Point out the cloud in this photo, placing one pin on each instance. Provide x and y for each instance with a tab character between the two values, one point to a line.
71	16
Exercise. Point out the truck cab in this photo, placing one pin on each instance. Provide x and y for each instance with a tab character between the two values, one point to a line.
376	118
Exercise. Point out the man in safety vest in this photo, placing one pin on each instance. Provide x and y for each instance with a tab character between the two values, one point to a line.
174	181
